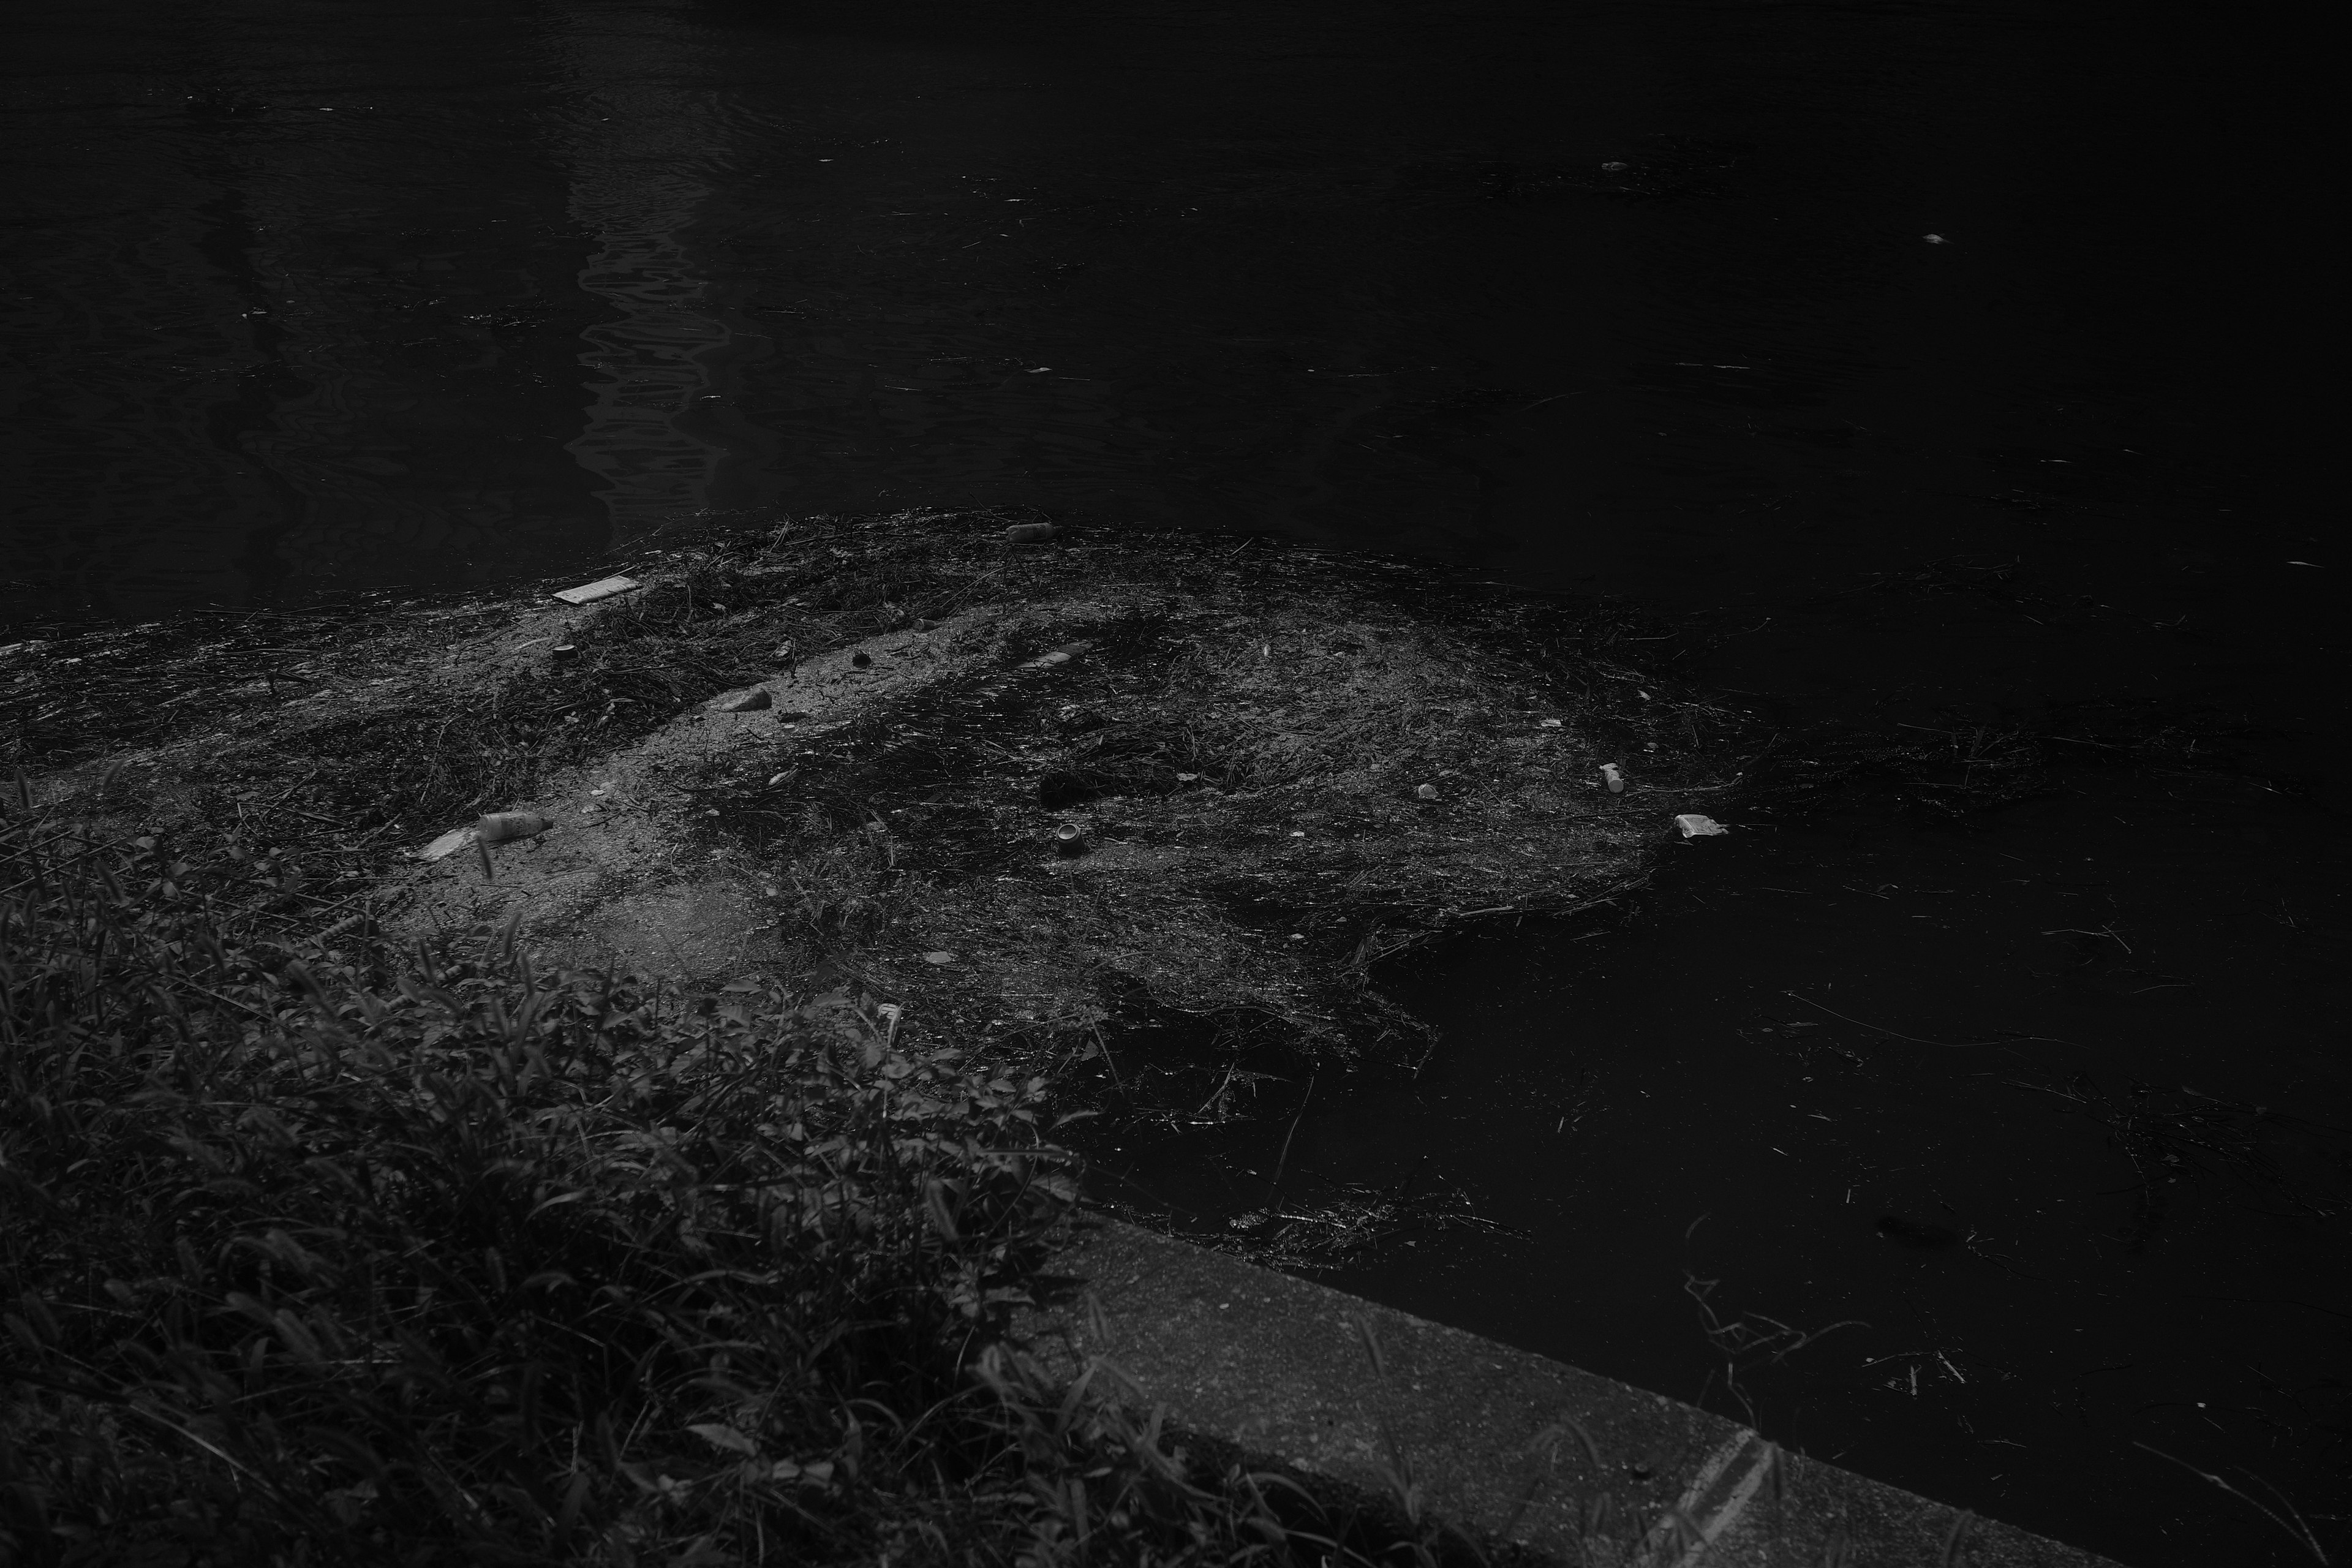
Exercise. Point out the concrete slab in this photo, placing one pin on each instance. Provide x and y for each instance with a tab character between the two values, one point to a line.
1508	1445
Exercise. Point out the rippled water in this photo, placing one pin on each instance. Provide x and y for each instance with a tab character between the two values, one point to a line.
1616	299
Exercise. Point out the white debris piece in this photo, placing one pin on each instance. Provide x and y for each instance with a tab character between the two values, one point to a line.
750	701
602	588
1694	825
448	844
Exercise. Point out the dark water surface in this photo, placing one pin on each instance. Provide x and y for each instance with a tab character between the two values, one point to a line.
334	296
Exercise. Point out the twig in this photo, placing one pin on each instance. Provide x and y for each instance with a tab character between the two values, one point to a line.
1890	1034
1285	1159
1104	1046
2300	1531
2078	931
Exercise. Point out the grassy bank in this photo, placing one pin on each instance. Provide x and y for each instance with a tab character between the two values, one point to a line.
1281	768
356	1211
428	1257
336	1235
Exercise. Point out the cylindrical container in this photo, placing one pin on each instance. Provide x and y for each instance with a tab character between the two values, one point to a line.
498	826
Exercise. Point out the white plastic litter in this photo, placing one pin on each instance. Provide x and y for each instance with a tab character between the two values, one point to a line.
1426	792
1694	825
498	826
750	702
602	588
448	844
1615	779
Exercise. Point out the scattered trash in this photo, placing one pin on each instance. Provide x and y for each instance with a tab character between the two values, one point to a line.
494	828
1694	825
784	649
750	702
1188	778
939	958
1030	532
1426	792
862	660
1548	724
498	827
602	588
448	844
1614	168
1616	779
778	779
923	625
1934	239
2314	563
563	651
1070	838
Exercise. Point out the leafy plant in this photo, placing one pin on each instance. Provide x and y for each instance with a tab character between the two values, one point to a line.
349	1256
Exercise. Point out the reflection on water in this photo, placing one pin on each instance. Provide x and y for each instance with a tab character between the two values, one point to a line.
632	146
275	346
432	295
